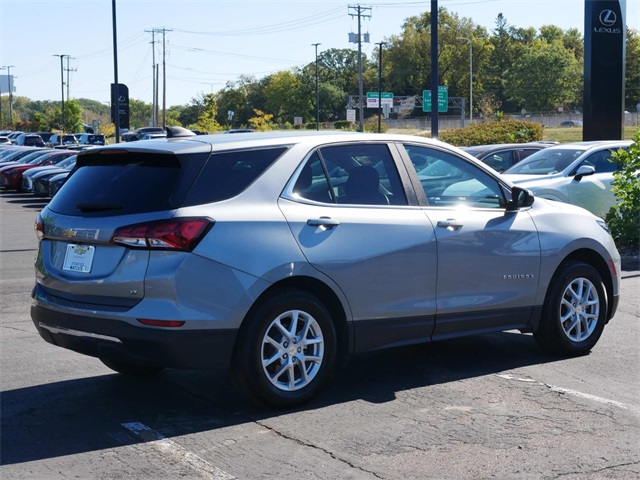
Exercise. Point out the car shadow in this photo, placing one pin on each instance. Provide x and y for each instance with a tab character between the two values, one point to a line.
86	414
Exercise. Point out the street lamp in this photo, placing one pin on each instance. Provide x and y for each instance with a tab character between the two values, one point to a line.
10	82
317	91
470	40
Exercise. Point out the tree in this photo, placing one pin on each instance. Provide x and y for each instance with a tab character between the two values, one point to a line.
286	96
73	117
624	218
262	122
632	71
207	120
546	76
140	113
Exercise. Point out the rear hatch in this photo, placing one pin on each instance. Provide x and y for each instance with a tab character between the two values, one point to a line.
79	262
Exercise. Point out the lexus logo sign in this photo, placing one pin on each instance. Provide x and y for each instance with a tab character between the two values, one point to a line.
608	18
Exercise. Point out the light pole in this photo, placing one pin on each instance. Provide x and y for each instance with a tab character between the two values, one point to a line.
380	86
62	87
10	82
470	40
317	91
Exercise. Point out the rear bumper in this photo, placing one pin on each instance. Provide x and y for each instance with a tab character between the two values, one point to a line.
121	341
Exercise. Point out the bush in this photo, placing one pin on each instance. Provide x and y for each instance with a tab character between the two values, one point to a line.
624	218
510	131
343	125
372	126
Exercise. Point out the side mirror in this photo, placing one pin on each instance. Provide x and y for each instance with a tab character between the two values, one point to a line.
584	170
520	198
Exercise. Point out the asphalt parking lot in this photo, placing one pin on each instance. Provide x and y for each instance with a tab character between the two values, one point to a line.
493	406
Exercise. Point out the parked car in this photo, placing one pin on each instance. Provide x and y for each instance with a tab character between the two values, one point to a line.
505	155
578	173
14	135
4	140
21	155
278	255
91	139
572	123
59	139
29	140
62	160
11	175
134	135
239	130
153	136
53	184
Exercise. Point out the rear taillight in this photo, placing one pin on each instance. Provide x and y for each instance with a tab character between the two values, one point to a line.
181	234
39	228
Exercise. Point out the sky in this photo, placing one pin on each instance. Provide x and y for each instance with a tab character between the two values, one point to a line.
212	42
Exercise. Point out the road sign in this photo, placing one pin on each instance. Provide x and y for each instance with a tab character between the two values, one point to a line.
372	99
443	99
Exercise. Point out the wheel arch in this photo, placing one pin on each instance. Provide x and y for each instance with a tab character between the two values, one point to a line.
325	294
592	258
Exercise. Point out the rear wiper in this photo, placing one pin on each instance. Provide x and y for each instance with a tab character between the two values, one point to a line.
97	207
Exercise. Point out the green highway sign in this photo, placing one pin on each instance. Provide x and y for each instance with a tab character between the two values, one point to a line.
443	99
372	99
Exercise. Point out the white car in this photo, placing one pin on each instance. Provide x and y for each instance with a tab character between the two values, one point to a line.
578	173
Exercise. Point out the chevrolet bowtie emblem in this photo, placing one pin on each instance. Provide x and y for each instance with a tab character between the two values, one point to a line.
69	233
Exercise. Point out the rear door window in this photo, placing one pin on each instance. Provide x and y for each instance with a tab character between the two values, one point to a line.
227	174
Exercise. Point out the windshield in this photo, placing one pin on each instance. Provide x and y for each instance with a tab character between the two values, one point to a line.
546	162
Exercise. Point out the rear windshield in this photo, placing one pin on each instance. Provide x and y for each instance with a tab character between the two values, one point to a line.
127	183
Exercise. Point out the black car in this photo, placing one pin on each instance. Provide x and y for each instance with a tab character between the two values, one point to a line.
57	139
572	123
504	155
29	140
91	139
137	133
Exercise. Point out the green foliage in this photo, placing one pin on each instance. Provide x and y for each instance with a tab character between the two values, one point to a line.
73	117
546	76
371	125
207	119
342	125
507	131
624	218
262	122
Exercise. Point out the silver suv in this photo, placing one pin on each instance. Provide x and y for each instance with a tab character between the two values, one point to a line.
277	255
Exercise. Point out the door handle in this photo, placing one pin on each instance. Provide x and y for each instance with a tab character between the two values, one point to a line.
450	224
326	222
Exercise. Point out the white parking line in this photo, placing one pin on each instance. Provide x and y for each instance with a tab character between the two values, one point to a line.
574	393
167	446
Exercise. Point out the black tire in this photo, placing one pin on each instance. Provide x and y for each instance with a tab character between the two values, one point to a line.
301	357
574	311
131	369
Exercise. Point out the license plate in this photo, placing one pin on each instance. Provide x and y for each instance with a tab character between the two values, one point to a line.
78	258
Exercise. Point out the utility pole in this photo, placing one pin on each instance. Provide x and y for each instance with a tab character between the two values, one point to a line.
164	78
317	91
359	13
380	44
10	82
434	69
154	78
62	87
69	70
